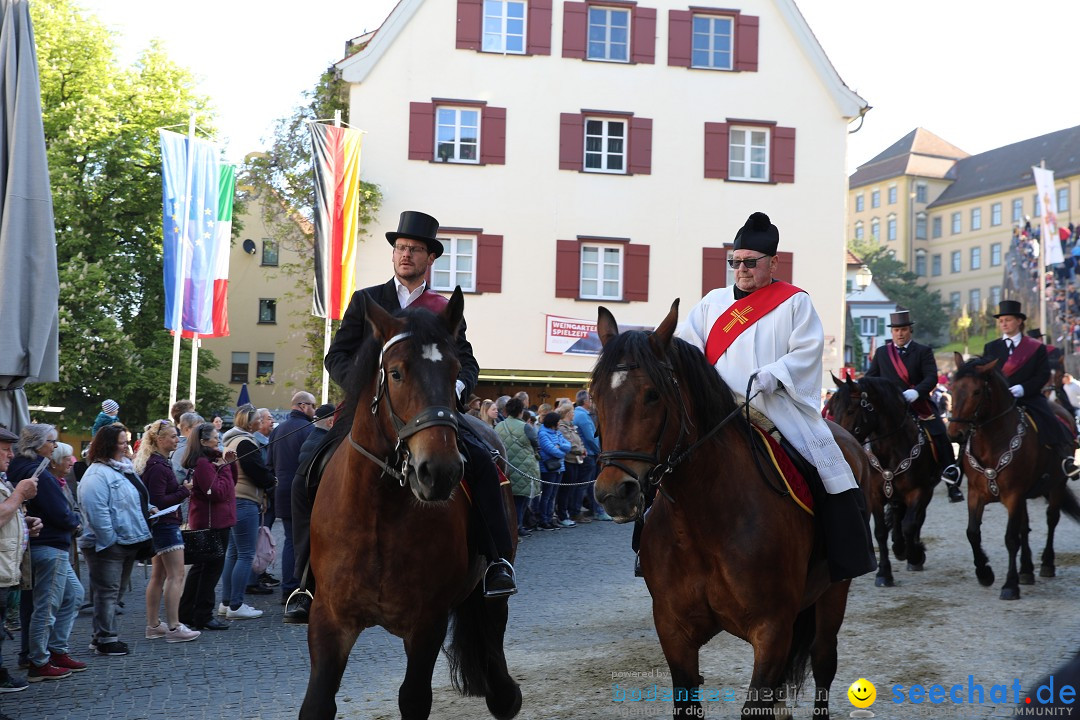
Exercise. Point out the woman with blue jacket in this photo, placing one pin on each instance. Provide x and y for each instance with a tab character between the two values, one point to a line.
114	505
553	448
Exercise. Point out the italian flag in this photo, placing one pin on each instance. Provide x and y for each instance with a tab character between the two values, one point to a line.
220	259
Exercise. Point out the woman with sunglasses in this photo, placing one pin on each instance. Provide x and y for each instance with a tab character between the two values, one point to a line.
167	573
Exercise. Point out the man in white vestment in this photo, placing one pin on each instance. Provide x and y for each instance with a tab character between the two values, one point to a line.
771	328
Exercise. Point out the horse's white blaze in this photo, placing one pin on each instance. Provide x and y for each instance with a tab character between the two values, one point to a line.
431	352
618	378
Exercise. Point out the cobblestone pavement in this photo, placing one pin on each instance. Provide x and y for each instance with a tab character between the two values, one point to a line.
580	618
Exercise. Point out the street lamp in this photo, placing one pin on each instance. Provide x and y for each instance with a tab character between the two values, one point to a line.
863	277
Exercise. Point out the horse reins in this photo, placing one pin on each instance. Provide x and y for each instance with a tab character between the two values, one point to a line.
906	463
1006	457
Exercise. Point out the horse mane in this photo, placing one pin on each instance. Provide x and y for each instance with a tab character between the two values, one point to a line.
426	328
969	369
711	397
886	395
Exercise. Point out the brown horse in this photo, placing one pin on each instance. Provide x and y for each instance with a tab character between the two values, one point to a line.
906	471
403	557
1004	462
723	548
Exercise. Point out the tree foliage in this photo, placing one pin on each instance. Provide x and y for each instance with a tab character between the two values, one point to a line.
902	287
282	181
101	123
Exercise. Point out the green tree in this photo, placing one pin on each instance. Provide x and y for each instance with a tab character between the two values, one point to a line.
101	123
902	287
282	182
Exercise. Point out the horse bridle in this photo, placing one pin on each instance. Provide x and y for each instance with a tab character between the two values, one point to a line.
1006	457
974	421
431	416
888	475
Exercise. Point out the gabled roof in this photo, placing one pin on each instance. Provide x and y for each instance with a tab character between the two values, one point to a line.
1009	167
920	153
357	67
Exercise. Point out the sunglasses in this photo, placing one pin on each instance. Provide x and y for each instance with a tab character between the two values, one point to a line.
750	263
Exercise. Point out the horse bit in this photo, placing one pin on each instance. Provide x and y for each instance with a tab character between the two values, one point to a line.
431	416
905	464
1006	457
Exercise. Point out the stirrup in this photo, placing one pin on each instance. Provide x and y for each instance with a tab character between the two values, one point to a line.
947	475
1065	465
500	592
299	591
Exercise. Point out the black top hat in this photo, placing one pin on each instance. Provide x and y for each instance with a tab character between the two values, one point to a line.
758	234
418	226
1010	307
900	319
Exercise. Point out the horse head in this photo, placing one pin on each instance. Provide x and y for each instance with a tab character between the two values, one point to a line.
978	392
413	399
871	406
640	406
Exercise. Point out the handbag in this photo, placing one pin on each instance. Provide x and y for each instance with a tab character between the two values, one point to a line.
265	550
553	464
204	546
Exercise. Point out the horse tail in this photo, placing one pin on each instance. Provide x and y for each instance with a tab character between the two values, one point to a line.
472	646
802	638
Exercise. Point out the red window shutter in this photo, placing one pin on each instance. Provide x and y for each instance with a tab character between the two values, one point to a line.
567	268
784	267
470	18
575	28
746	43
640	146
643	40
489	252
421	131
493	136
680	35
717	138
538	41
713	269
571	141
783	155
636	273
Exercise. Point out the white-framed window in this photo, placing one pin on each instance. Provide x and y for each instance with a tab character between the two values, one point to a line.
875	198
891	227
1062	199
714	42
860	202
1037	204
935	264
920	192
859	230
920	226
995	295
456	266
875	230
976	258
748	154
975	300
892	194
504	26
995	254
605	145
955	223
920	262
609	34
976	218
1017	210
601	272
955	265
457	134
995	214
868	326
935	224
954	301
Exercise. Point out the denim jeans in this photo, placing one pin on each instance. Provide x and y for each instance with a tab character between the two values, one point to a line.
586	474
290	579
107	570
57	596
242	537
550	481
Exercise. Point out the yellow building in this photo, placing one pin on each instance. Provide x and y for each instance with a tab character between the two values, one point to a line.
949	216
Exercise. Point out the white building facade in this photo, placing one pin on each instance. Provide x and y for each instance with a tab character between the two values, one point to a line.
581	154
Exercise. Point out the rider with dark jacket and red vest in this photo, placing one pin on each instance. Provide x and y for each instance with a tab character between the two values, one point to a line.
416	247
1024	362
912	368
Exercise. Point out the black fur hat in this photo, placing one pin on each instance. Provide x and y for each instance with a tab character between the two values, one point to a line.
758	234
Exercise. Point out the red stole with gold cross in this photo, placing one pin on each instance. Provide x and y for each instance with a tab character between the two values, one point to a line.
744	313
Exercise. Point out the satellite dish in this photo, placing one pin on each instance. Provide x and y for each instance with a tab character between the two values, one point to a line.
249	246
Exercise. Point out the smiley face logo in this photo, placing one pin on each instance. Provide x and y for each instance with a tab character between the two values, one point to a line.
862	693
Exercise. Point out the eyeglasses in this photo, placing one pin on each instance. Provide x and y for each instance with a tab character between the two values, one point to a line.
410	249
750	263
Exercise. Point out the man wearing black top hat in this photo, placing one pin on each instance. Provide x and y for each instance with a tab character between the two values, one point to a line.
1023	361
912	368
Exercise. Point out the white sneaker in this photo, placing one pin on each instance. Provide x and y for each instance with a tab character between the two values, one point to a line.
244	612
182	633
156	631
222	609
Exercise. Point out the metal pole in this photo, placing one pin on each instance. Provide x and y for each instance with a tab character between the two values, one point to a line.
178	295
195	344
1044	241
326	327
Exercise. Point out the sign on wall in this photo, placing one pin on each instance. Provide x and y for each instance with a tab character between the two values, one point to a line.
571	336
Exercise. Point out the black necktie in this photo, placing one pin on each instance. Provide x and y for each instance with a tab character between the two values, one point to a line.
1009	342
903	351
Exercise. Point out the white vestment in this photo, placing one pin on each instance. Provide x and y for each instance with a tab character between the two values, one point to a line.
788	342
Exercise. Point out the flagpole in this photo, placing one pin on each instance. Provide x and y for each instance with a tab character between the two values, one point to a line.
326	326
195	344
1042	264
178	296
